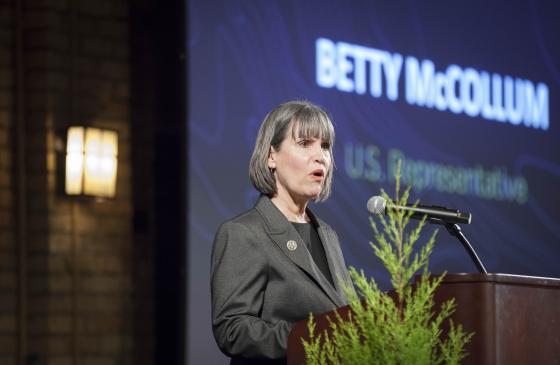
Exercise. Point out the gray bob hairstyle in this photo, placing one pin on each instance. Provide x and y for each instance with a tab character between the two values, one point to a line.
307	121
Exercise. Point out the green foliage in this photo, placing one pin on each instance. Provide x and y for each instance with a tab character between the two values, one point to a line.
399	328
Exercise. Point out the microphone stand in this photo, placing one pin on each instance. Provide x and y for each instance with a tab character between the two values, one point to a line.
456	231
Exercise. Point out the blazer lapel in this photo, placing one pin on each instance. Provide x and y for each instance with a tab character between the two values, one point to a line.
337	268
281	231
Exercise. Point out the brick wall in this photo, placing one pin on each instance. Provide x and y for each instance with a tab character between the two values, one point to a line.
79	255
8	252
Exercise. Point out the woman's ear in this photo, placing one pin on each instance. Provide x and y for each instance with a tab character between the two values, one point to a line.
271	158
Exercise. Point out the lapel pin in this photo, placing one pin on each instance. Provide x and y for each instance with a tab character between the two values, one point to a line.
292	245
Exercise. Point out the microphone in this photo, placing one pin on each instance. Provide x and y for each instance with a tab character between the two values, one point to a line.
435	214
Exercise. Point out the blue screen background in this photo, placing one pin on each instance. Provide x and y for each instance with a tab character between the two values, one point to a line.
246	57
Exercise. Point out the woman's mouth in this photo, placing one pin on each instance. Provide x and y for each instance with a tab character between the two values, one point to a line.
319	174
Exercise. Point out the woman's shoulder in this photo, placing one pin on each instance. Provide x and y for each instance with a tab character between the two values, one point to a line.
245	230
244	221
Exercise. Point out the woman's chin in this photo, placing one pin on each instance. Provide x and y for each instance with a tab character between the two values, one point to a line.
314	194
309	194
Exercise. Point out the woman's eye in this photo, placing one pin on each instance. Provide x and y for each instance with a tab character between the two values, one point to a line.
325	145
304	142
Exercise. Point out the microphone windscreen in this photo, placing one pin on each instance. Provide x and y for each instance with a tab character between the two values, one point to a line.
376	205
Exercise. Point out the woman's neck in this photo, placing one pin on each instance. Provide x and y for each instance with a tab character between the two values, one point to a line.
293	210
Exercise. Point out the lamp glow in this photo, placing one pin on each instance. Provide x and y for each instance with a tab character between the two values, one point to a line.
91	162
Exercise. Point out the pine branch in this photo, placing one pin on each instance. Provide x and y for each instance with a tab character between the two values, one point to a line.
382	329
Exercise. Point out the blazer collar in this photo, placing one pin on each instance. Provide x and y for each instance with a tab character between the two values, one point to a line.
281	231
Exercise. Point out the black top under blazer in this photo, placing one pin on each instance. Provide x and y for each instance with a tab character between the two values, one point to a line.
260	288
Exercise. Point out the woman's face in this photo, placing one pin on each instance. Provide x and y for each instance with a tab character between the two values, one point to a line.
301	166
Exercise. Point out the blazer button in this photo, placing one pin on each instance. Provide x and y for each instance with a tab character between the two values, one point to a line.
292	245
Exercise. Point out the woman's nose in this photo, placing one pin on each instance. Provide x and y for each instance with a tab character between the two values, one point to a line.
319	154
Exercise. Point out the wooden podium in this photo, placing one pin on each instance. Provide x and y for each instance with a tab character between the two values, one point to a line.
516	319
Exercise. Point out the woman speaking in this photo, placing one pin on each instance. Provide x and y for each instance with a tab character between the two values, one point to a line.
276	263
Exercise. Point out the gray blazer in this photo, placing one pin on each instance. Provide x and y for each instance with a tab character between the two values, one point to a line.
260	287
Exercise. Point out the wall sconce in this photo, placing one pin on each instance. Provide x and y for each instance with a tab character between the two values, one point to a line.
91	162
